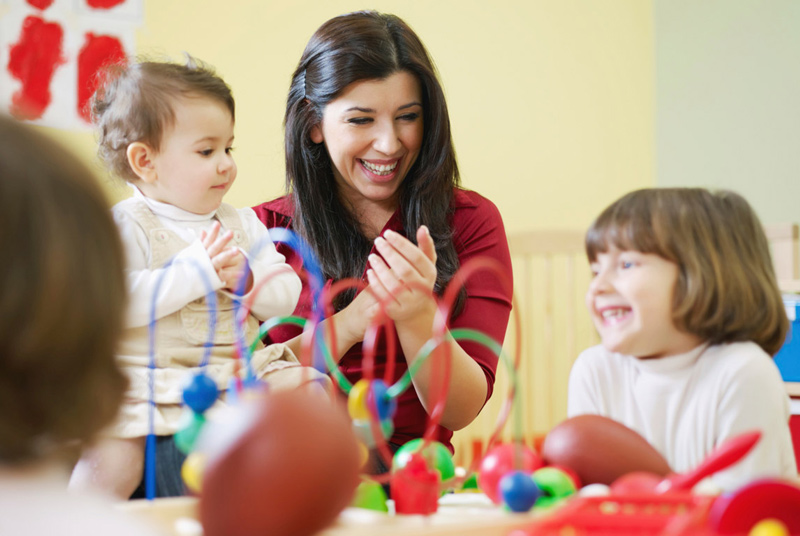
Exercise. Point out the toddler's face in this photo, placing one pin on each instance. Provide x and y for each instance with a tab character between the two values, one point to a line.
630	301
194	168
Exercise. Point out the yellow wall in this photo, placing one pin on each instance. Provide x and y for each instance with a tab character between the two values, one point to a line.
551	100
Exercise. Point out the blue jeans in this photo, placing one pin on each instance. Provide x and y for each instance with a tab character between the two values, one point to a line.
169	460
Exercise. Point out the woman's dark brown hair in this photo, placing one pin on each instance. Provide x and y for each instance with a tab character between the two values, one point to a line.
726	289
62	298
366	45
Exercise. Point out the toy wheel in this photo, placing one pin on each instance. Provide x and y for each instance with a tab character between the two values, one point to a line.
737	512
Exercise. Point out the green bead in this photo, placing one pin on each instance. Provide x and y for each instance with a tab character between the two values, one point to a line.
556	485
471	482
370	495
190	425
435	454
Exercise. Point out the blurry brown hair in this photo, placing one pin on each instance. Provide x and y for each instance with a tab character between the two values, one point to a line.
62	298
134	103
726	289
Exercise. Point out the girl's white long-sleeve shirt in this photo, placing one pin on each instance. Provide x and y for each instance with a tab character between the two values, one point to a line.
183	280
688	404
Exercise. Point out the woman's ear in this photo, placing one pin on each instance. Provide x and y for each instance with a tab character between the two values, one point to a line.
316	133
140	158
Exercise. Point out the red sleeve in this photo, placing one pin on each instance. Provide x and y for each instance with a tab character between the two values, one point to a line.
479	232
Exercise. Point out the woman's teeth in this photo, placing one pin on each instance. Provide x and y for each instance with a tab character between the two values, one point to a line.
379	169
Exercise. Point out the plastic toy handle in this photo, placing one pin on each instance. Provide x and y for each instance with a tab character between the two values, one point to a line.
730	452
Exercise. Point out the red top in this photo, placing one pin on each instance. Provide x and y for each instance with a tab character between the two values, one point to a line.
478	231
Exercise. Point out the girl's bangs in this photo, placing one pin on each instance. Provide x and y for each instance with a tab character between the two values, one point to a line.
627	228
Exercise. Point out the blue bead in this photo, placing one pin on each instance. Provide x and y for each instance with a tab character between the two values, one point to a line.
519	491
200	393
385	405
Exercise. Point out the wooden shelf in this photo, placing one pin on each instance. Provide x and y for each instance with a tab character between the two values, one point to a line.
793	388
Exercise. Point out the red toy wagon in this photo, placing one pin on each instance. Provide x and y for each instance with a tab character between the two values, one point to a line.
677	513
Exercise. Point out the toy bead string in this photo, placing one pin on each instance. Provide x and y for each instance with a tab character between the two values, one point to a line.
150	442
310	264
441	321
370	338
243	312
310	267
440	336
459	279
505	411
337	287
456	334
370	343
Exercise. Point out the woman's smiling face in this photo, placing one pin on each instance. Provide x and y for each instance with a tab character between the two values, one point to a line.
373	134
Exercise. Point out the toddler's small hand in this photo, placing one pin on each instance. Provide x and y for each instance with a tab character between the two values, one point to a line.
213	241
228	262
230	272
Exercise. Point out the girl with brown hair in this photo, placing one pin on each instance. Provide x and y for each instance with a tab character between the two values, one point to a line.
686	303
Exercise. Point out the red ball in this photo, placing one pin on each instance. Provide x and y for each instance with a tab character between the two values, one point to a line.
600	450
290	470
502	460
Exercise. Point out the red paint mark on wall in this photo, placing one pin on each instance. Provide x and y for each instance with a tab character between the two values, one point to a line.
104	4
98	52
40	4
33	61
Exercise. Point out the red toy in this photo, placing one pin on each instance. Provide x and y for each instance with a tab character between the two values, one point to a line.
290	472
600	450
415	487
643	504
502	460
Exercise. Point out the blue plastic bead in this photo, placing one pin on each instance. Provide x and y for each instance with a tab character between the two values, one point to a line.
200	393
519	491
385	405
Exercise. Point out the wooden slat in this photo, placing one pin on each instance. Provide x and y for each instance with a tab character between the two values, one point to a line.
784	239
546	242
792	389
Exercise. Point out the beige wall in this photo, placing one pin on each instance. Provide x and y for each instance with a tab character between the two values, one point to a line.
551	100
728	99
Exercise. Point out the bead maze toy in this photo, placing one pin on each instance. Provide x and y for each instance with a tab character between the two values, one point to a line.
512	475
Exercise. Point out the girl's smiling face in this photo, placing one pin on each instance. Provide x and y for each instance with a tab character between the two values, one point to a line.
373	134
630	300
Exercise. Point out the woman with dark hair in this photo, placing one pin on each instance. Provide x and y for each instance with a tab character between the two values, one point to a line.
373	187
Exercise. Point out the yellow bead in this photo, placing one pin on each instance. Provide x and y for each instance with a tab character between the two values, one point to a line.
769	527
357	401
192	471
364	452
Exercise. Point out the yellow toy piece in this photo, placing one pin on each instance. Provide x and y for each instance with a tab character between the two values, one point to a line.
192	471
357	401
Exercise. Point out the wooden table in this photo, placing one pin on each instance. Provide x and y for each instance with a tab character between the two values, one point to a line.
462	514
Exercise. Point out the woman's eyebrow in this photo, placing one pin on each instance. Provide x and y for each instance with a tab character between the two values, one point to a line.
371	111
409	105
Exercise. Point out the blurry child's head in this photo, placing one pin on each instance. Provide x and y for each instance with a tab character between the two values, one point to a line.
62	299
675	267
168	129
